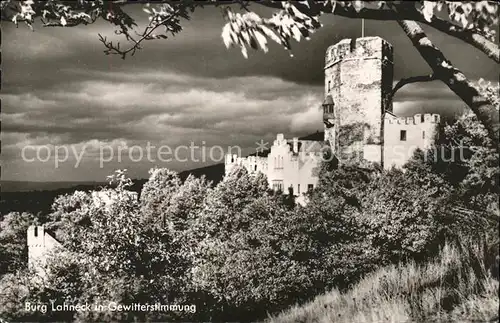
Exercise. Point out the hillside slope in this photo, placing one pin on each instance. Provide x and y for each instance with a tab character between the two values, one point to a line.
444	290
37	197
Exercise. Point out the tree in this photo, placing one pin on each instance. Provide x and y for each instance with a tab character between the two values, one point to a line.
157	193
114	252
473	22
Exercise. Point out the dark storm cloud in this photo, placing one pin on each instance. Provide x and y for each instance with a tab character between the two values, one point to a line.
59	88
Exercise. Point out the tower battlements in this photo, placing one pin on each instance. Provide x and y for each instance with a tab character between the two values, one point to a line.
417	119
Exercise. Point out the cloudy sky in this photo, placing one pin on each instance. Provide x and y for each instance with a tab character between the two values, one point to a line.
59	91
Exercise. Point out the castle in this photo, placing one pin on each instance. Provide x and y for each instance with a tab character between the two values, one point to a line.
358	122
359	125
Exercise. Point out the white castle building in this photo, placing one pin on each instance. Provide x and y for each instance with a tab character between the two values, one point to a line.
359	124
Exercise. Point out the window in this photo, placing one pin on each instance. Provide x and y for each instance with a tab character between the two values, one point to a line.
278	186
278	162
423	134
436	118
402	135
329	85
36	231
255	167
422	118
310	187
329	108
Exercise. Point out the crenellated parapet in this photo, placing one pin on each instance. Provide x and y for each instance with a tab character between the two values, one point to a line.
361	48
251	163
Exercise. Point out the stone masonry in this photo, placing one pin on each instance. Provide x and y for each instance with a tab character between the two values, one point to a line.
40	244
358	83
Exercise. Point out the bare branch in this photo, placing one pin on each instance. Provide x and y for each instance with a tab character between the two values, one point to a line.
413	79
145	35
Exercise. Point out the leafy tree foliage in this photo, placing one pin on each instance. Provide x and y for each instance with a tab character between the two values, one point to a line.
111	253
403	210
467	160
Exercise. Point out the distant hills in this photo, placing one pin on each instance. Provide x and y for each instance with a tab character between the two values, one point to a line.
37	197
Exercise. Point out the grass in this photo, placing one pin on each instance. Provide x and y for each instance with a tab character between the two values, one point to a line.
454	287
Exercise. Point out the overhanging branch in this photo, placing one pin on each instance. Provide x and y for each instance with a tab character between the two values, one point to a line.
454	78
413	79
470	36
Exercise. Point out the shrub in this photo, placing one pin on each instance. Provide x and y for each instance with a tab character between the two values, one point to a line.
13	241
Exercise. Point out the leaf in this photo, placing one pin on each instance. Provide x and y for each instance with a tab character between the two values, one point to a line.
296	33
227	35
244	51
253	42
246	36
261	39
358	5
269	33
428	10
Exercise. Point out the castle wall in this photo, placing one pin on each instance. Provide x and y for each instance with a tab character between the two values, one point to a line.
253	164
358	76
404	135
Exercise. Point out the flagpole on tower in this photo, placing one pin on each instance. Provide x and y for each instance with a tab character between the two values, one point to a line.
362	27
